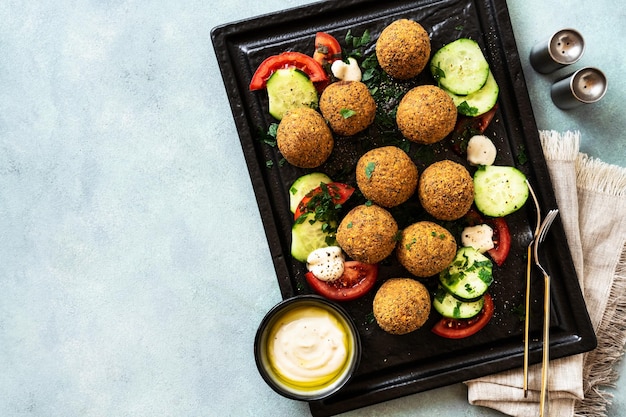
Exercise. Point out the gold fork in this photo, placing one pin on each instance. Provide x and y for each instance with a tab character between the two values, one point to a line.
543	231
528	274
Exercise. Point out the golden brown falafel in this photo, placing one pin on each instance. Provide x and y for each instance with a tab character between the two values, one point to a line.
403	49
426	114
367	233
348	106
425	248
304	138
401	305
387	176
446	190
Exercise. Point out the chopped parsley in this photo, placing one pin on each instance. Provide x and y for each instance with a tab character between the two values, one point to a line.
386	92
357	44
485	275
456	312
347	113
438	73
272	129
324	209
440	295
522	158
441	236
467	110
369	170
269	137
425	154
520	312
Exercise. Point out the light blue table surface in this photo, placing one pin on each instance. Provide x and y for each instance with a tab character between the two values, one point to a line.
133	264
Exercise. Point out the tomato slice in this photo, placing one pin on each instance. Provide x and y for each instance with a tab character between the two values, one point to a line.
357	280
327	48
459	329
288	59
501	234
330	194
501	240
466	127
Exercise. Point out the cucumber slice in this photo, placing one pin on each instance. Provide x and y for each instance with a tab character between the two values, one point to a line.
290	88
499	190
469	275
303	185
460	67
479	102
307	235
449	306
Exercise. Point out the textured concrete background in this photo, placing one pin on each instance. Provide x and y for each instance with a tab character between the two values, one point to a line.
128	282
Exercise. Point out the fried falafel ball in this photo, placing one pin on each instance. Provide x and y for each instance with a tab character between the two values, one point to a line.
348	106
401	305
403	49
387	176
426	114
367	233
425	248
304	138
446	190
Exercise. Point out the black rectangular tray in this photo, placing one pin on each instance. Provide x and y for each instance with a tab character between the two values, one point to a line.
394	366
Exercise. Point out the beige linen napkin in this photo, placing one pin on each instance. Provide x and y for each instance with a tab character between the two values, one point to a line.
591	196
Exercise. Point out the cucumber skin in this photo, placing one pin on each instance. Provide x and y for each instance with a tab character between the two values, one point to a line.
451	307
288	89
482	100
303	185
499	190
460	67
469	275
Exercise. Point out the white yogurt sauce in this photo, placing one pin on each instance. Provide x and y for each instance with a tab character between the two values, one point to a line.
308	346
327	263
481	151
480	237
346	71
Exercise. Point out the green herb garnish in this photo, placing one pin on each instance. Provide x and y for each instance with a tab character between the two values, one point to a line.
467	110
269	137
356	44
520	312
347	113
369	170
438	73
411	243
522	158
324	208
